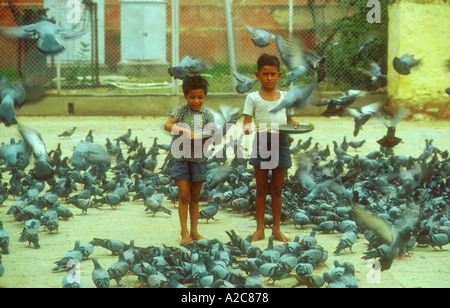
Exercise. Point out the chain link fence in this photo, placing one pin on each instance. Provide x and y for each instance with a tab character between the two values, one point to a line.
127	46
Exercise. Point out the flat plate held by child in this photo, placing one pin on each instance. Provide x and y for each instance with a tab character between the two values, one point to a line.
290	129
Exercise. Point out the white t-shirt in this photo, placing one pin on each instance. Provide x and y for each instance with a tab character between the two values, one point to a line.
259	108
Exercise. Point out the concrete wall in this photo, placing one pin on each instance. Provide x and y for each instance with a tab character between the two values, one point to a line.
154	105
421	28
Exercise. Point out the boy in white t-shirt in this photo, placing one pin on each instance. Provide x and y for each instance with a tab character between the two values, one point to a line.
271	149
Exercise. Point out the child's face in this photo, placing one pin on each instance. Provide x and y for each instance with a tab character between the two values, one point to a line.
195	98
268	76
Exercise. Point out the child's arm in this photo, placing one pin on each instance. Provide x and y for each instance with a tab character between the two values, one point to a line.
171	126
290	120
246	128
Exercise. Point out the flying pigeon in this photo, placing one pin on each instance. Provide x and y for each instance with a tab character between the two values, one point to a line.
46	32
378	79
361	116
293	56
246	83
395	241
42	169
188	64
403	65
390	140
364	47
296	97
262	36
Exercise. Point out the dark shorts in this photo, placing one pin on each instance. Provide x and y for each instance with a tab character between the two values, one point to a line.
267	155
189	171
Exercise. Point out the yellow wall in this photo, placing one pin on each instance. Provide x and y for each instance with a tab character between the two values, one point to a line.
421	28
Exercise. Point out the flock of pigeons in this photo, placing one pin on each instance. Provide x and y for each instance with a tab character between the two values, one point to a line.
394	201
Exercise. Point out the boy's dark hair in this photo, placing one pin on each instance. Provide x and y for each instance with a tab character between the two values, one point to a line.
270	60
194	82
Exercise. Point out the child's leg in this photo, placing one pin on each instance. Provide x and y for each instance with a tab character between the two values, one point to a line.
184	197
196	187
276	190
262	187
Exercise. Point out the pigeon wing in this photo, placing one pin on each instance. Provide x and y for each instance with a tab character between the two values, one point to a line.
374	223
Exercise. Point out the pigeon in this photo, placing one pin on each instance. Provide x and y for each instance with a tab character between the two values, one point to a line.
112	245
209	211
82	204
404	64
73	256
246	83
188	64
118	269
262	36
390	140
296	97
2	268
395	241
31	235
112	199
270	254
12	98
364	114
67	133
153	205
347	240
363	49
4	239
439	240
293	57
337	106
100	276
72	280
378	79
356	144
226	117
46	32
42	169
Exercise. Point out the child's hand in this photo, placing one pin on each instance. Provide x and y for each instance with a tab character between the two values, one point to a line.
296	124
246	129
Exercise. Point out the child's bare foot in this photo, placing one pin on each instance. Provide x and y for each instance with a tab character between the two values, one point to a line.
278	235
185	238
196	236
258	235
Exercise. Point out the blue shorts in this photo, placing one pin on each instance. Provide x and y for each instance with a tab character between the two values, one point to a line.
189	171
266	155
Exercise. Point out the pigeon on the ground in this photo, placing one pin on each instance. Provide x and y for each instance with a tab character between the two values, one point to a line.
83	204
356	144
4	239
210	210
438	239
68	133
73	256
188	64
347	240
110	244
46	32
100	276
119	269
262	36
404	64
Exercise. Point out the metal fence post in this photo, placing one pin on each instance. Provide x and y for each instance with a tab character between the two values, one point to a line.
230	39
175	41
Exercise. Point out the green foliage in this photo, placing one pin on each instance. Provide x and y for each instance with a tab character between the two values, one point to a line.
349	34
